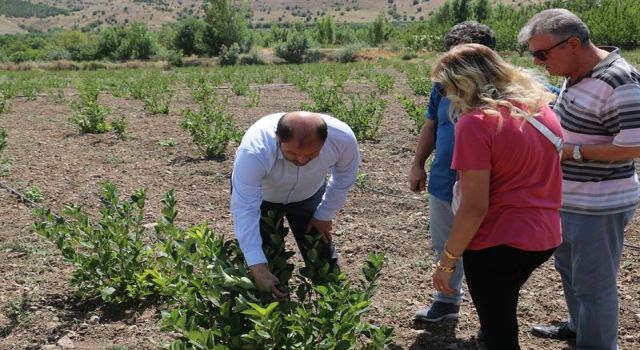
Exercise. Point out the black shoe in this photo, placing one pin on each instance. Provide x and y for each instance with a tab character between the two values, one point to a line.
438	311
560	332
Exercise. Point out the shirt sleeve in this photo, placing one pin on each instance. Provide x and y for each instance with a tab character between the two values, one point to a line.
343	176
246	198
472	148
434	101
624	109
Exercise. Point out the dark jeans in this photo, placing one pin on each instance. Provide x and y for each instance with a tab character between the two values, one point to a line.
494	277
298	215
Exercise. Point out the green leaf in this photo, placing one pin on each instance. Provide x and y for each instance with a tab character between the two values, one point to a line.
107	292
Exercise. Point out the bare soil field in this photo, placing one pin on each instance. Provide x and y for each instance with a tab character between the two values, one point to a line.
38	309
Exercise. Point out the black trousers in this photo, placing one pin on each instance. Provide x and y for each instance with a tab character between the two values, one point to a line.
298	215
494	277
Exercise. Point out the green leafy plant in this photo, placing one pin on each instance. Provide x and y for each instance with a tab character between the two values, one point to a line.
211	129
109	255
120	127
3	139
229	56
3	103
90	116
363	115
254	97
384	82
34	194
415	111
362	180
418	80
239	84
218	307
167	143
326	99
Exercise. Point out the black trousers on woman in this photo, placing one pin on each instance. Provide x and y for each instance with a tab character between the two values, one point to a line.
494	277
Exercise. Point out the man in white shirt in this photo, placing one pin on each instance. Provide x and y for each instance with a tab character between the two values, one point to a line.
282	164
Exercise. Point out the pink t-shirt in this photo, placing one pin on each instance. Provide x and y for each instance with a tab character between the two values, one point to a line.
525	189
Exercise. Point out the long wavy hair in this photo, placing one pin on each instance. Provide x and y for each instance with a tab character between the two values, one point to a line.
476	77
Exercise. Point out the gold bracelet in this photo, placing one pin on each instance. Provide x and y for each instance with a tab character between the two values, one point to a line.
448	254
444	268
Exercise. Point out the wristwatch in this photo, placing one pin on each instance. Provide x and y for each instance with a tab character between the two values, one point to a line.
576	153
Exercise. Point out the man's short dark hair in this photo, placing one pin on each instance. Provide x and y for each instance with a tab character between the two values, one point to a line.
470	32
285	131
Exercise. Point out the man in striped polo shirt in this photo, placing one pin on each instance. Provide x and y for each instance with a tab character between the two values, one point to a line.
599	108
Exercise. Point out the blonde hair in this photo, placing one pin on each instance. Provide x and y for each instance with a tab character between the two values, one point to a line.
476	77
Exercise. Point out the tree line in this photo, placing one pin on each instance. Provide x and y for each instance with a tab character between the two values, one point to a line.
225	32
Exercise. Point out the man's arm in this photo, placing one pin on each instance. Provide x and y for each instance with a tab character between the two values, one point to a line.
426	145
602	151
246	198
622	109
343	177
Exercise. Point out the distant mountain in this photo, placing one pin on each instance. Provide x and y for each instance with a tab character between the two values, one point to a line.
94	14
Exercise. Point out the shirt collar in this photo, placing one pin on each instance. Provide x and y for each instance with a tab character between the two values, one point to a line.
614	54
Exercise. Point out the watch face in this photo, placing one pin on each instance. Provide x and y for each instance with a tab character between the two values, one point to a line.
576	153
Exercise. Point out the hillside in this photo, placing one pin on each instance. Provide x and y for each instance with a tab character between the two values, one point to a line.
92	14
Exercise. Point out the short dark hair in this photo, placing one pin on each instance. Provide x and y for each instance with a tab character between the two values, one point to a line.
470	32
286	133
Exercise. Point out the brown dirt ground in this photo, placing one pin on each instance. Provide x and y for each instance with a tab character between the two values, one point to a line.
37	306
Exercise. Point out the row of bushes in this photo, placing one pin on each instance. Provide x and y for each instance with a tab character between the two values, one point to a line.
224	32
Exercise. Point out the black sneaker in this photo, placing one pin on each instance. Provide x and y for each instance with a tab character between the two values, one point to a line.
438	311
560	332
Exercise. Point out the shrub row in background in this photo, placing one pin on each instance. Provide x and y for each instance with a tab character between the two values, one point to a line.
224	32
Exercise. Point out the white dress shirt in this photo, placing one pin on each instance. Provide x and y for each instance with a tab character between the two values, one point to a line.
260	172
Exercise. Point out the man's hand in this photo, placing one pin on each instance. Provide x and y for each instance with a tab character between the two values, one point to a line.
323	227
417	178
266	281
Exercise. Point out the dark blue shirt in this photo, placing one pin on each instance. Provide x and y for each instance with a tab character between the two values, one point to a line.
441	176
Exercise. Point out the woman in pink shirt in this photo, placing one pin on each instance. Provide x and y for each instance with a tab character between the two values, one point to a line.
507	223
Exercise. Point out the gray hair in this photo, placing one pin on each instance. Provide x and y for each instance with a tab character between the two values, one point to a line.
558	23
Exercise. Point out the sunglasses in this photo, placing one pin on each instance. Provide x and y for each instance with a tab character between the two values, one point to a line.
542	54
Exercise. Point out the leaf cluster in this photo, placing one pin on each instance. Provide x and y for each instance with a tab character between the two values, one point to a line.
109	255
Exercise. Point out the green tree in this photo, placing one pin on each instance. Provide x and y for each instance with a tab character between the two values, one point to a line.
377	30
189	36
109	41
461	10
225	24
138	42
482	10
326	30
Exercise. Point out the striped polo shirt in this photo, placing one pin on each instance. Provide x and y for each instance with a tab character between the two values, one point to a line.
602	107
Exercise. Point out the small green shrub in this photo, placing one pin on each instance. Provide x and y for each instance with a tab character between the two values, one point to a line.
294	49
90	116
3	139
167	143
384	82
251	58
216	305
211	129
254	97
239	84
109	255
348	54
229	56
34	194
120	126
415	111
364	116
